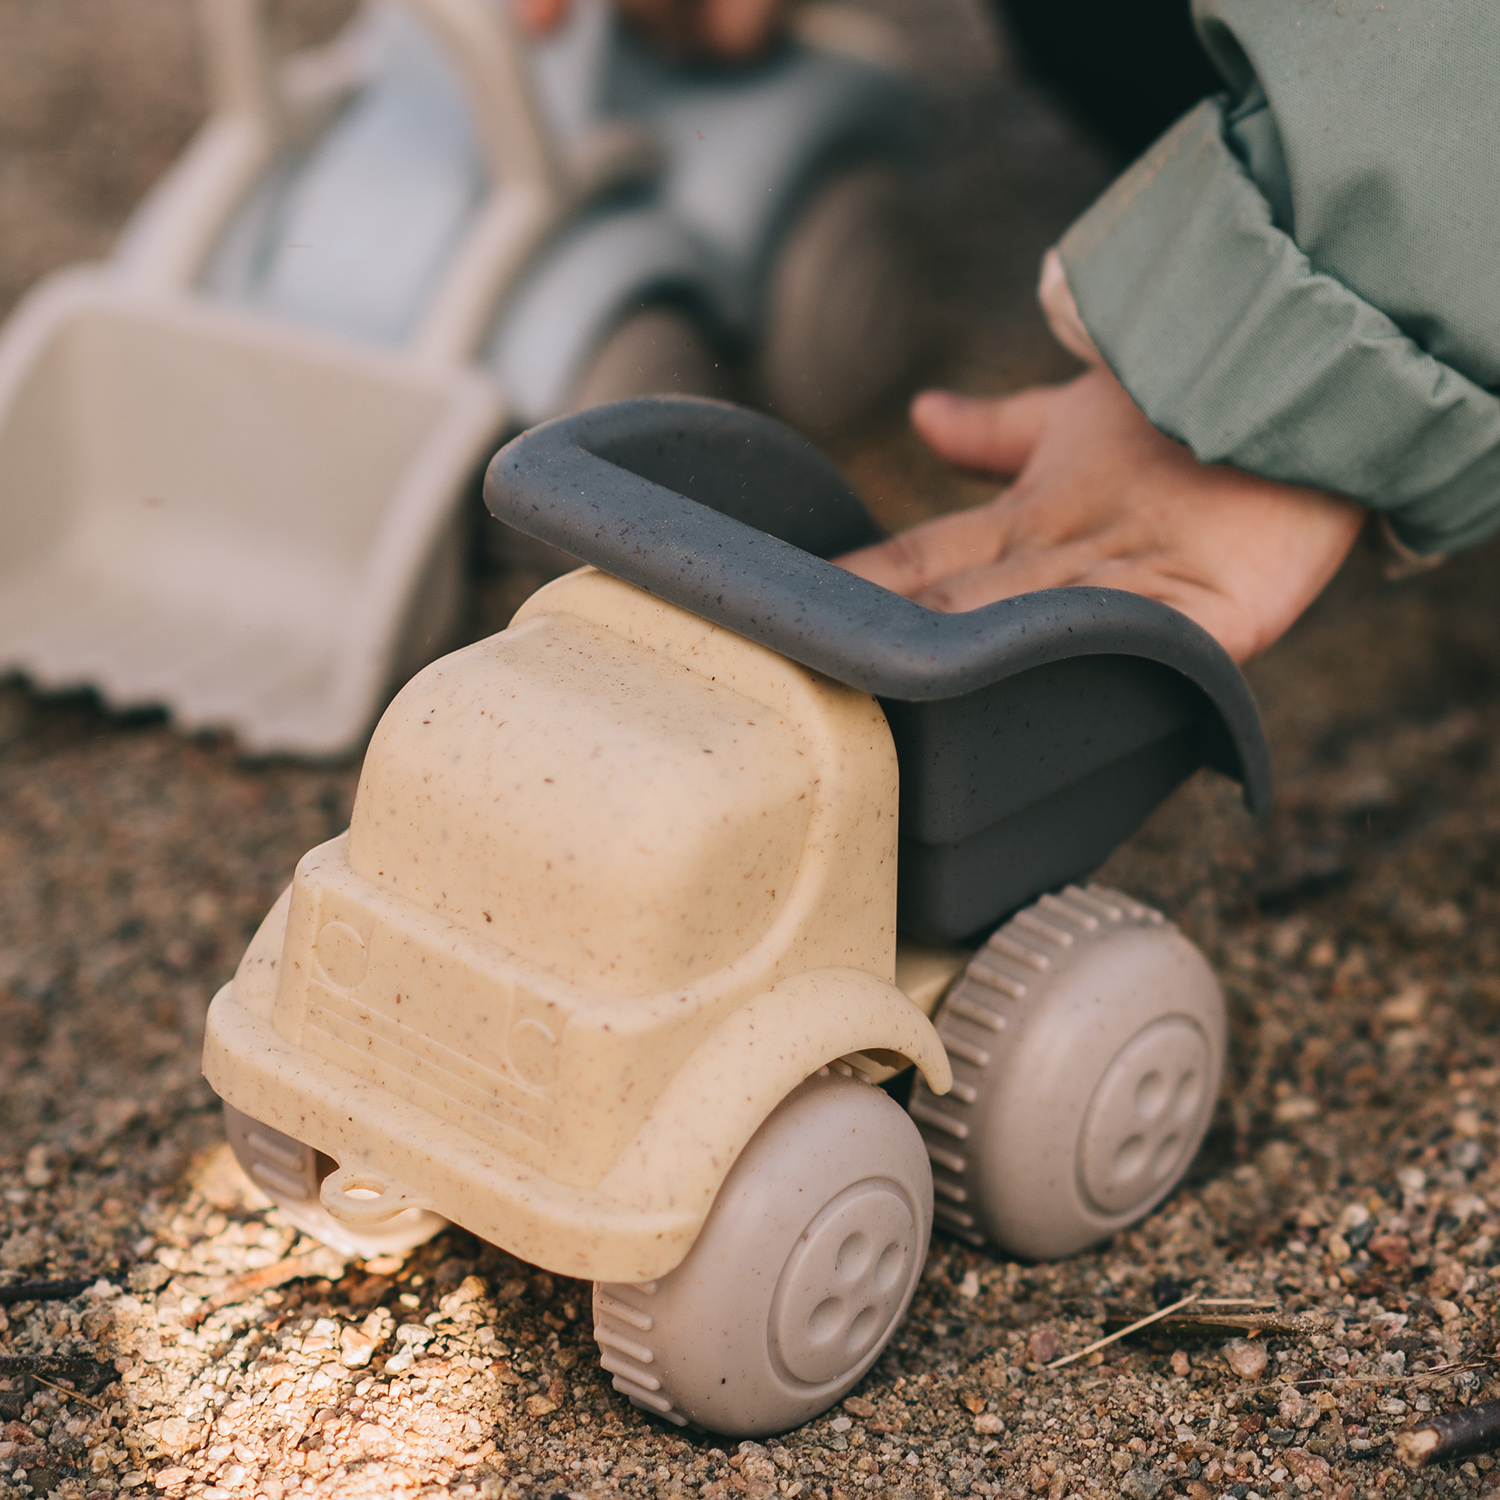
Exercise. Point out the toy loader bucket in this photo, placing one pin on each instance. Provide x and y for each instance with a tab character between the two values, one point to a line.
201	510
1033	735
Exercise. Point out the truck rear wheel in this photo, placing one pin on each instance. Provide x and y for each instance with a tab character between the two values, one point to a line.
846	303
1087	1043
289	1174
800	1275
658	351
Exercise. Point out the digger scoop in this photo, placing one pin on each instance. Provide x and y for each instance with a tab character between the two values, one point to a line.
253	524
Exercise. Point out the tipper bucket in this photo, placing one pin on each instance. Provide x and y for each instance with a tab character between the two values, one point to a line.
247	524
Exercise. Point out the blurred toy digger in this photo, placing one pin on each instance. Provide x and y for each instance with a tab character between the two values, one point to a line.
233	456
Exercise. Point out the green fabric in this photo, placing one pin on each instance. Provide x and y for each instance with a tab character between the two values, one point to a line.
1302	277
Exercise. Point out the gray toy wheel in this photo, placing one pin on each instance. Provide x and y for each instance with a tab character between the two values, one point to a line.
845	303
799	1277
289	1174
658	351
1087	1042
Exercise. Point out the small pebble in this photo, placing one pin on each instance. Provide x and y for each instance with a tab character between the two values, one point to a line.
1042	1346
1246	1357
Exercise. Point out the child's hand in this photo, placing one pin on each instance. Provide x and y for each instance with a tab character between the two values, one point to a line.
731	30
1101	497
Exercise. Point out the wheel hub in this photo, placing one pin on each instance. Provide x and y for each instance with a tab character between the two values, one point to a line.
1145	1114
845	1282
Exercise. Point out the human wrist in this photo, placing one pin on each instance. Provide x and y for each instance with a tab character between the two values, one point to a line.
1063	318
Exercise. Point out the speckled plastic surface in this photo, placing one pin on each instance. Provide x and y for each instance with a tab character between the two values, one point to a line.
617	881
292	1175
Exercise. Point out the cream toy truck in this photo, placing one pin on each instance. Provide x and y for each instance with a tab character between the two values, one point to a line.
644	896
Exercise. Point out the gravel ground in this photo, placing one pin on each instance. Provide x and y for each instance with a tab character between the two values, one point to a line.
1350	1181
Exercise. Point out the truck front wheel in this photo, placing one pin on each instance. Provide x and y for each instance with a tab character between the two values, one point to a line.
801	1274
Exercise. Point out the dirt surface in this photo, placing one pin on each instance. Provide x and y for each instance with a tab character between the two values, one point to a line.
1350	1181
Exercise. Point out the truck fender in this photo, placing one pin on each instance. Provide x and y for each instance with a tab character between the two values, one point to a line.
732	1081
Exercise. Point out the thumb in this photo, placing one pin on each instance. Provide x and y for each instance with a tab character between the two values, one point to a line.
994	435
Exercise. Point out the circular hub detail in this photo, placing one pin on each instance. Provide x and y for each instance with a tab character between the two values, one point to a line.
1146	1115
342	955
845	1282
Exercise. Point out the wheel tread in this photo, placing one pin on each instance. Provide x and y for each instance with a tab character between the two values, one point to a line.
624	1312
1029	921
957	1223
927	1114
630	1348
1005	942
618	1328
950	1160
958	1046
987	973
977	1010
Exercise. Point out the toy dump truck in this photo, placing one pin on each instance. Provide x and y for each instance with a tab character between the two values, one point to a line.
235	456
643	897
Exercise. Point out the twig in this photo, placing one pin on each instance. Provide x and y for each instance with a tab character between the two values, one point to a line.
43	1291
66	1390
262	1280
1450	1434
1458	1367
1121	1333
1208	1324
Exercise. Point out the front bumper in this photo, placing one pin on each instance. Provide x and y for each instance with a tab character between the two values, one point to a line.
566	1230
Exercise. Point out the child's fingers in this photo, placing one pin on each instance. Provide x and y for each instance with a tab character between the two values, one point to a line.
995	435
1199	598
541	16
918	558
739	29
1080	566
1021	573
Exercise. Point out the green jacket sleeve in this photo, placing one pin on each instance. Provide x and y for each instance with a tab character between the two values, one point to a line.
1301	279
